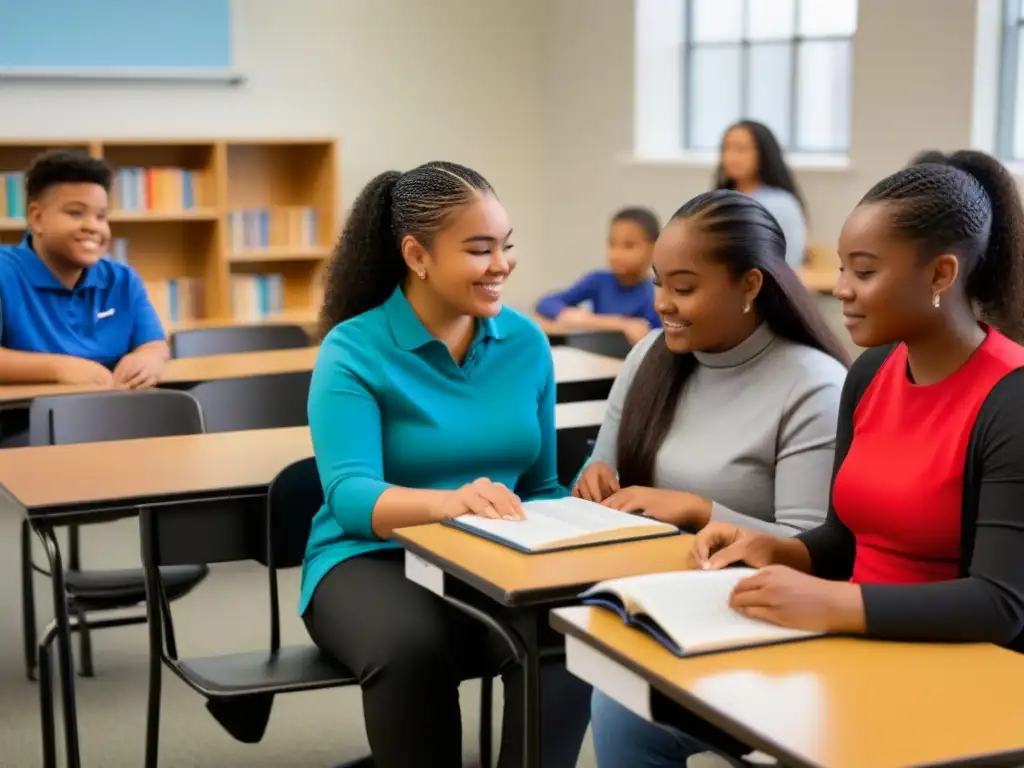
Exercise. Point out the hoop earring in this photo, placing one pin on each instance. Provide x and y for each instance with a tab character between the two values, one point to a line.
936	301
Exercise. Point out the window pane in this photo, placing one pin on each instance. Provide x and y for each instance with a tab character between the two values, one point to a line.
770	19
827	17
717	20
768	91
823	96
714	80
1018	107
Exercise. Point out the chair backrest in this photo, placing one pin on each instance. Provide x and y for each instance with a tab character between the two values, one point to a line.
103	416
200	342
295	497
254	402
610	343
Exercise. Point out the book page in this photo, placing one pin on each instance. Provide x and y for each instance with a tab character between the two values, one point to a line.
552	521
692	608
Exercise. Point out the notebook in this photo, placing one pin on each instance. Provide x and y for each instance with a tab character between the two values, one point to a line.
688	611
568	523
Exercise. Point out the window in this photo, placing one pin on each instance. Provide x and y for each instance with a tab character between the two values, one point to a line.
1010	116
785	63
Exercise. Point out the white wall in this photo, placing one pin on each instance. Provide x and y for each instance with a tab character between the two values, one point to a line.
912	89
399	82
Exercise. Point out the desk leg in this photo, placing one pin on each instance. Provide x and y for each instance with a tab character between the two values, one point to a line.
528	630
66	670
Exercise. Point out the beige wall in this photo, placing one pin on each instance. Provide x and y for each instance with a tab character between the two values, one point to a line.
913	64
398	81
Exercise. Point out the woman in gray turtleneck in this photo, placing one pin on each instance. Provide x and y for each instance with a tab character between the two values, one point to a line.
728	413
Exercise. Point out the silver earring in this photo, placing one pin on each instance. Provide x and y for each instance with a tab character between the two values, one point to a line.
746	308
936	301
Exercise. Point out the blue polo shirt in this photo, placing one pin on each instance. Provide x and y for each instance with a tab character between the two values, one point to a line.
388	405
104	317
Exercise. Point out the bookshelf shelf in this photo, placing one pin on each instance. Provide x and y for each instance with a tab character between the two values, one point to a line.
217	228
282	253
192	214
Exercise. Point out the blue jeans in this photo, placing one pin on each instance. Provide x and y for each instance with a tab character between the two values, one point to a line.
625	740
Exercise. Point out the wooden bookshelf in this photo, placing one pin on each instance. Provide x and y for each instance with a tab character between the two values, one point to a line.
244	226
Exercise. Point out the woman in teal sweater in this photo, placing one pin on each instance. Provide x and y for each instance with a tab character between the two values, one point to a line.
429	400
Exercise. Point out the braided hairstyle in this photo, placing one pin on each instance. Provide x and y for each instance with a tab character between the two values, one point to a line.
744	236
368	265
966	204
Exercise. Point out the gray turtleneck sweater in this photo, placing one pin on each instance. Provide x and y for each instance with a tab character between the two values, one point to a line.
754	432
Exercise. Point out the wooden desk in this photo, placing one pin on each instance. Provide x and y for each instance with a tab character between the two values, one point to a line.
840	703
515	579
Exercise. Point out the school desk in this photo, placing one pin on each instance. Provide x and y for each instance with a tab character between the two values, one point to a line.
220	479
512	592
827	703
579	375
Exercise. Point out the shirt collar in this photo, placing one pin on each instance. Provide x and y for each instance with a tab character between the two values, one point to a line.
411	334
752	346
40	276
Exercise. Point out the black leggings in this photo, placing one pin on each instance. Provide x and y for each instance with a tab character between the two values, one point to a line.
410	649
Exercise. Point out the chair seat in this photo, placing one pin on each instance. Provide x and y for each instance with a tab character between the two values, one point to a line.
293	668
99	590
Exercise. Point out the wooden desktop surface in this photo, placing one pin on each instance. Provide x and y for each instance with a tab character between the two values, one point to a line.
510	576
571	365
57	475
836	702
157	466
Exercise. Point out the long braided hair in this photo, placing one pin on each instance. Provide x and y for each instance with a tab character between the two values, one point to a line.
744	236
966	204
367	264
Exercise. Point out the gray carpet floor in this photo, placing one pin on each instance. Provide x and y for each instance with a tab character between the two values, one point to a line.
228	612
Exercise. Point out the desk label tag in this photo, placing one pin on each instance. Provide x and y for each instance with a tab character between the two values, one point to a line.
609	677
423	573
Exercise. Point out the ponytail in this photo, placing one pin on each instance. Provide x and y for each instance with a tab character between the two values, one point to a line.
368	265
996	284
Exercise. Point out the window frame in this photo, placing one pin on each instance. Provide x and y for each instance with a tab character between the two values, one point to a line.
1011	27
745	43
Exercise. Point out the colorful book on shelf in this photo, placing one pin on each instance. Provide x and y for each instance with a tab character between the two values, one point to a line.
12	196
258	228
156	189
118	250
568	523
688	611
254	297
176	300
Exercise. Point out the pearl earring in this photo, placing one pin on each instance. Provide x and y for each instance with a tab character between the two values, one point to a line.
746	308
936	301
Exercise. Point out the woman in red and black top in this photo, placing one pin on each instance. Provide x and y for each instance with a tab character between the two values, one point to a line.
924	538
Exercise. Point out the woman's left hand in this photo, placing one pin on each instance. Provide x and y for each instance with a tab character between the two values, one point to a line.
789	598
679	508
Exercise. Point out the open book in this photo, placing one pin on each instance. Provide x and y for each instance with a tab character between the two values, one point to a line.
688	611
564	524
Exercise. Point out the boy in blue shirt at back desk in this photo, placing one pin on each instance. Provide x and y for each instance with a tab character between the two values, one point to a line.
67	314
622	297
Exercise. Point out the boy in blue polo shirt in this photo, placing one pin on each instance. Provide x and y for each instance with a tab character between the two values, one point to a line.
67	314
620	298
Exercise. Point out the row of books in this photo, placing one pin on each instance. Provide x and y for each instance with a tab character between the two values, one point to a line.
157	189
254	297
256	228
177	300
12	195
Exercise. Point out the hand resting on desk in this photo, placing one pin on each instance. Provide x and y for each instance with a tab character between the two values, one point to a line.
481	497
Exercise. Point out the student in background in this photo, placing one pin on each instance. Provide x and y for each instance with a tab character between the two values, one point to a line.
429	400
752	163
67	314
621	296
727	414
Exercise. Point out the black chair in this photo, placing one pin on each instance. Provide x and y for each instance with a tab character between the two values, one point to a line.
239	688
254	402
610	343
94	418
200	342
